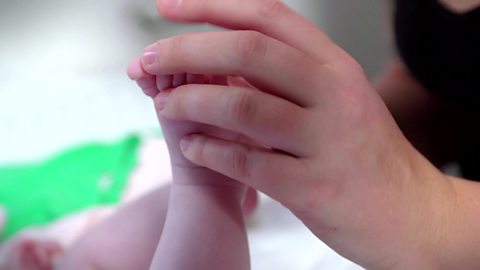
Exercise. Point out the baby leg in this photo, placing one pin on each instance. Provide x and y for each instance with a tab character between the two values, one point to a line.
204	228
3	217
126	240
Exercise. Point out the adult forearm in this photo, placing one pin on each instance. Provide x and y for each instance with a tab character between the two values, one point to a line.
449	236
461	244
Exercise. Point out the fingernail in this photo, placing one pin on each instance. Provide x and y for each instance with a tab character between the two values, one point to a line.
170	3
161	100
148	58
185	143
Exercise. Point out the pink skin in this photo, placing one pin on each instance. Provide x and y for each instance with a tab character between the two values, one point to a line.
204	206
27	254
348	173
334	155
3	217
127	239
108	245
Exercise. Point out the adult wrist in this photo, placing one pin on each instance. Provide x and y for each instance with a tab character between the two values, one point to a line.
434	222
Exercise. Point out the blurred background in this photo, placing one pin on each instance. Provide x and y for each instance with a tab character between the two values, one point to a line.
63	81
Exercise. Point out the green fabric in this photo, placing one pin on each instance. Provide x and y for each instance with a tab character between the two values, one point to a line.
76	179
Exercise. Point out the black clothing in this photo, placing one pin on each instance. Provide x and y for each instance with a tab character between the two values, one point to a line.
441	49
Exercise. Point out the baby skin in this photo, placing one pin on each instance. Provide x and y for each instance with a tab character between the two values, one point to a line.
31	254
204	226
125	240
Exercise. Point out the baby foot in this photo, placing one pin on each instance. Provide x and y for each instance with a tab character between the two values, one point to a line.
29	254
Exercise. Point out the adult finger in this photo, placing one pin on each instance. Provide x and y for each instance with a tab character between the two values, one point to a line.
270	17
268	171
265	118
268	64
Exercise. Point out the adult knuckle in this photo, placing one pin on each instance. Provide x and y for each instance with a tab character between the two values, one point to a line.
239	162
242	108
351	91
272	9
251	47
350	64
176	46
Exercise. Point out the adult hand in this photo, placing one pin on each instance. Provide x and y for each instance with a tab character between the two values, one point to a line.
333	155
